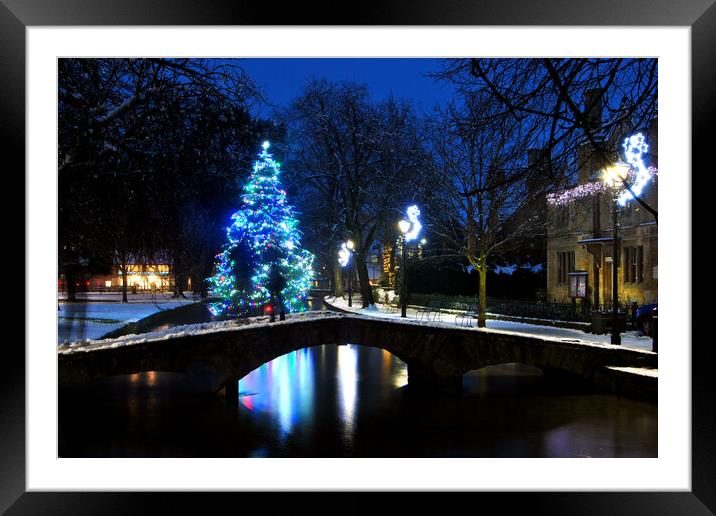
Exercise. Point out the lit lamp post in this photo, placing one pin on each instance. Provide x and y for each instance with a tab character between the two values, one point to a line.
344	258
404	226
614	176
409	230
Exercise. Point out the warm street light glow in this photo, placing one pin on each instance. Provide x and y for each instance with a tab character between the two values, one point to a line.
615	175
349	244
634	170
404	226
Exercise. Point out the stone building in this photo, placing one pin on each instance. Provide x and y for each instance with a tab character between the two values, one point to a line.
142	275
580	237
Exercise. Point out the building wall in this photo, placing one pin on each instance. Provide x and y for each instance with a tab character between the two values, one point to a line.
591	218
148	277
145	277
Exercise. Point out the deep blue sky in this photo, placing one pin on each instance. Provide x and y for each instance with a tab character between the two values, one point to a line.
282	79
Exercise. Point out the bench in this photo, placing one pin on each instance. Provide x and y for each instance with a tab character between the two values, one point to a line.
430	312
391	307
467	317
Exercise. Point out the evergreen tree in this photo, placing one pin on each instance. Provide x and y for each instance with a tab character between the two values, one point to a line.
262	261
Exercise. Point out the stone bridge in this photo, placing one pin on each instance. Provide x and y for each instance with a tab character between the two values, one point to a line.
436	356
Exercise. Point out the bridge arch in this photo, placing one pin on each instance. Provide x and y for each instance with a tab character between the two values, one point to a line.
436	356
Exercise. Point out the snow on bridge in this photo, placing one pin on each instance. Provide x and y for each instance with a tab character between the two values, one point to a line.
437	354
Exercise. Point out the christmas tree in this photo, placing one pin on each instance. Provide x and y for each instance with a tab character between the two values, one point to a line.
262	265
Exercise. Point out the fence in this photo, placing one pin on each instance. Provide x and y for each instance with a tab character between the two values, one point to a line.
101	289
520	308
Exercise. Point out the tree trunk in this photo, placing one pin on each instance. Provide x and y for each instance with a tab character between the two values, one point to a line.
179	283
331	279
180	275
178	290
482	310
70	284
123	272
366	293
337	281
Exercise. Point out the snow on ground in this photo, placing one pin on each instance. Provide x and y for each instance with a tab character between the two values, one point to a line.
190	330
142	297
101	313
642	371
74	329
630	339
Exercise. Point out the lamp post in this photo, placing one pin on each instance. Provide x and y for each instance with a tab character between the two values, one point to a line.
404	226
616	337
409	230
344	258
349	245
615	176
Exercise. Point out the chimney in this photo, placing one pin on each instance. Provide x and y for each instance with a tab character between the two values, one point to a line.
593	106
533	156
538	159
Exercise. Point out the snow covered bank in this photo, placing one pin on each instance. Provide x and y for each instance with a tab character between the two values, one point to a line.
102	313
630	339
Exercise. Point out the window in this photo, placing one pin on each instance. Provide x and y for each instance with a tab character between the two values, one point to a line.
565	265
634	264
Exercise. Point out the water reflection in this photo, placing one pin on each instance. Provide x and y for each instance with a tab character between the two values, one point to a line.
347	387
284	386
350	401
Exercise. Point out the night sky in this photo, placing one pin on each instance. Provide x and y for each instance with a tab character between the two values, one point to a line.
282	79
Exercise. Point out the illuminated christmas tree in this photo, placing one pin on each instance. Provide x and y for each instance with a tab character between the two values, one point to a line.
262	262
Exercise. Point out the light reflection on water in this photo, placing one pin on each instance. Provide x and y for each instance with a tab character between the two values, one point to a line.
284	386
308	387
351	401
347	386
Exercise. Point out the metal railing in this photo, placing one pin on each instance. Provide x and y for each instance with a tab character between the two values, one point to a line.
518	308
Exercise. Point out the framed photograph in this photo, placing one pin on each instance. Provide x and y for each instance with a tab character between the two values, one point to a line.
414	250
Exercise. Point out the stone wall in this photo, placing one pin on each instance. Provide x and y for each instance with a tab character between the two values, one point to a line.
438	354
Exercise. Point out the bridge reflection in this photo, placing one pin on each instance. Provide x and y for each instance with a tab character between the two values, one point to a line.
286	386
285	383
436	356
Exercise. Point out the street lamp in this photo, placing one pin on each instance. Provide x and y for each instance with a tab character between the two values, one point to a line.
349	245
344	258
409	230
614	176
404	227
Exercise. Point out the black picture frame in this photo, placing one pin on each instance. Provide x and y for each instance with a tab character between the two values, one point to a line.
17	15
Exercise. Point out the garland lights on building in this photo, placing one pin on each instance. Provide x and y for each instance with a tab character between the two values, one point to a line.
634	148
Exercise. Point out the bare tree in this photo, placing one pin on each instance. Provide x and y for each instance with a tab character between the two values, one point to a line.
489	197
147	149
360	158
585	107
101	101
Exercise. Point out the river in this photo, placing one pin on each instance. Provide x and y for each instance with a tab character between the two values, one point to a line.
351	401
